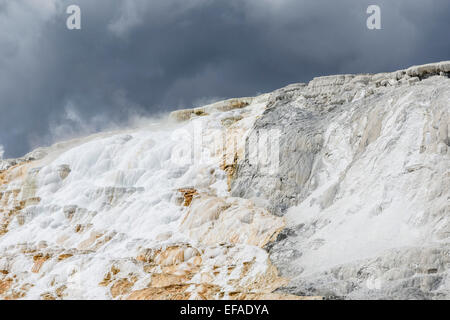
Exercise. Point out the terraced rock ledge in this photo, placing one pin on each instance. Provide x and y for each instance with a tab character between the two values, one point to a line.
356	205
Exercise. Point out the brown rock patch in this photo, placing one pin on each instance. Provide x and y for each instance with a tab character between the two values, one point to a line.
188	194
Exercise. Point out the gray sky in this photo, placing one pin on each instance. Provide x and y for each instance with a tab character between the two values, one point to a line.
142	57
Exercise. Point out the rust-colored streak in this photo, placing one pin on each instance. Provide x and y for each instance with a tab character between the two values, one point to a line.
188	194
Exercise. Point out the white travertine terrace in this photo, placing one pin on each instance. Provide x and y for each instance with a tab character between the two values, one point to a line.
358	209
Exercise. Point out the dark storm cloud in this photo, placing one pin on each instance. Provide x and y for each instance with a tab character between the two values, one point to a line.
144	57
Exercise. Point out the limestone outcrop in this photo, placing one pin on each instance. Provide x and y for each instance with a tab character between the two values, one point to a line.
363	184
334	188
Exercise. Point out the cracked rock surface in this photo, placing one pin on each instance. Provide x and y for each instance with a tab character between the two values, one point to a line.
356	204
363	183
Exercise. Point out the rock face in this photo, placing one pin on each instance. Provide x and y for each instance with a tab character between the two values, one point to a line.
138	214
363	183
339	187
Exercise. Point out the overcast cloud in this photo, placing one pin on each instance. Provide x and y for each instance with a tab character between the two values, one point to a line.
143	57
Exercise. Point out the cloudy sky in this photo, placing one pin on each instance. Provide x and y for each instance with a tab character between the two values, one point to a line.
144	57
